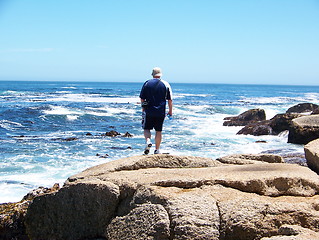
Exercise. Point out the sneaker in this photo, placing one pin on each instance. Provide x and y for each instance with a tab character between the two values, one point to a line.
157	151
148	147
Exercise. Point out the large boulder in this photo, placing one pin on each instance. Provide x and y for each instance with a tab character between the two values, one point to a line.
247	117
77	211
185	198
312	155
282	122
304	129
274	126
257	129
303	108
12	215
147	221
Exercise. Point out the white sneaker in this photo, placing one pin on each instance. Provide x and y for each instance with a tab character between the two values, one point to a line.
148	146
157	151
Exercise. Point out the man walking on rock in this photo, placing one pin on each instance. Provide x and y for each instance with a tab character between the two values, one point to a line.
154	94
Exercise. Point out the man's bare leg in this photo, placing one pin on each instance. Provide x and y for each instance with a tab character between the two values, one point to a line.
147	136
158	139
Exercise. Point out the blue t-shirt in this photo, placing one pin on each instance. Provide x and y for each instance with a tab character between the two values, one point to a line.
156	91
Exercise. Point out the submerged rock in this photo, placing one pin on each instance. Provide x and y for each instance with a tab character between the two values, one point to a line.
127	134
111	134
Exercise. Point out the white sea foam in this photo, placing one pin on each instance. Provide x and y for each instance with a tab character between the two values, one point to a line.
9	125
70	87
72	117
109	111
308	97
59	110
182	95
92	98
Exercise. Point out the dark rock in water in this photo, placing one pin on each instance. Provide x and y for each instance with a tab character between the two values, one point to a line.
111	134
69	139
88	134
274	126
255	123
20	136
316	111
102	156
250	116
282	122
303	108
304	129
257	129
127	134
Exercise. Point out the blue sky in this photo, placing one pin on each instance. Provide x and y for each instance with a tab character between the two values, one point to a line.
238	41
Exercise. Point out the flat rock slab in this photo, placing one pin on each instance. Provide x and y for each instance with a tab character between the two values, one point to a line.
273	179
307	121
177	197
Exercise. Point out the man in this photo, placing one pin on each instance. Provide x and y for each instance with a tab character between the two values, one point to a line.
153	96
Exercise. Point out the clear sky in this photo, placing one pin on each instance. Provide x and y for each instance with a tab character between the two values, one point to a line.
224	41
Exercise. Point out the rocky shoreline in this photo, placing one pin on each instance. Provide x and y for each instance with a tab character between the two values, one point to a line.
242	197
173	197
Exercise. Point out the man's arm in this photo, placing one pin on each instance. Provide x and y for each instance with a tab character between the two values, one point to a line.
142	100
170	107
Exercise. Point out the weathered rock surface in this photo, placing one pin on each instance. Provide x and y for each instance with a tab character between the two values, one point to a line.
12	215
303	108
242	159
175	197
250	116
148	221
293	232
79	211
312	155
282	122
257	129
304	129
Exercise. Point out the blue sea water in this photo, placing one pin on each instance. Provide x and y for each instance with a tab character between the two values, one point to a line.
44	126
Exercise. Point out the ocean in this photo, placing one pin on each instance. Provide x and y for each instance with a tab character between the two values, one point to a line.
52	130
